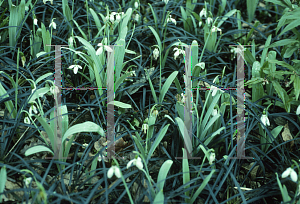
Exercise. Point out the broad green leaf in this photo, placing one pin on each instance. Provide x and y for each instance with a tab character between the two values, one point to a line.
9	105
157	141
43	77
167	85
275	132
3	181
184	134
283	42
83	127
157	38
297	86
251	7
227	15
139	146
290	51
264	53
186	173
159	198
120	104
47	128
163	172
37	149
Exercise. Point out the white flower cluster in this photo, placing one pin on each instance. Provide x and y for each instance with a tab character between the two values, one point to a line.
170	19
178	52
112	17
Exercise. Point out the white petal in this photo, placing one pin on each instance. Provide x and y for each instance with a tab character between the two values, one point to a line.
117	172
286	173
129	164
75	69
99	51
107	48
298	110
110	172
294	176
26	120
71	67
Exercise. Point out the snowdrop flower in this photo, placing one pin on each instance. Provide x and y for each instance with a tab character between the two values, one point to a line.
290	172
215	29
137	162
200	23
32	107
215	112
166	1
114	170
209	20
75	68
136	4
178	52
203	13
100	50
264	119
212	158
27	120
53	24
170	19
137	17
118	17
111	18
27	181
100	158
35	21
298	110
145	128
156	53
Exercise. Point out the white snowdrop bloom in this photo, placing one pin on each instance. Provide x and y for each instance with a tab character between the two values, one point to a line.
298	110
215	29
170	19
27	181
290	172
35	21
27	120
200	23
137	162
136	4
203	13
137	17
145	128
166	1
100	157
155	113
75	68
156	53
32	107
265	120
100	49
178	52
212	158
214	112
118	17
209	20
53	24
111	18
114	170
